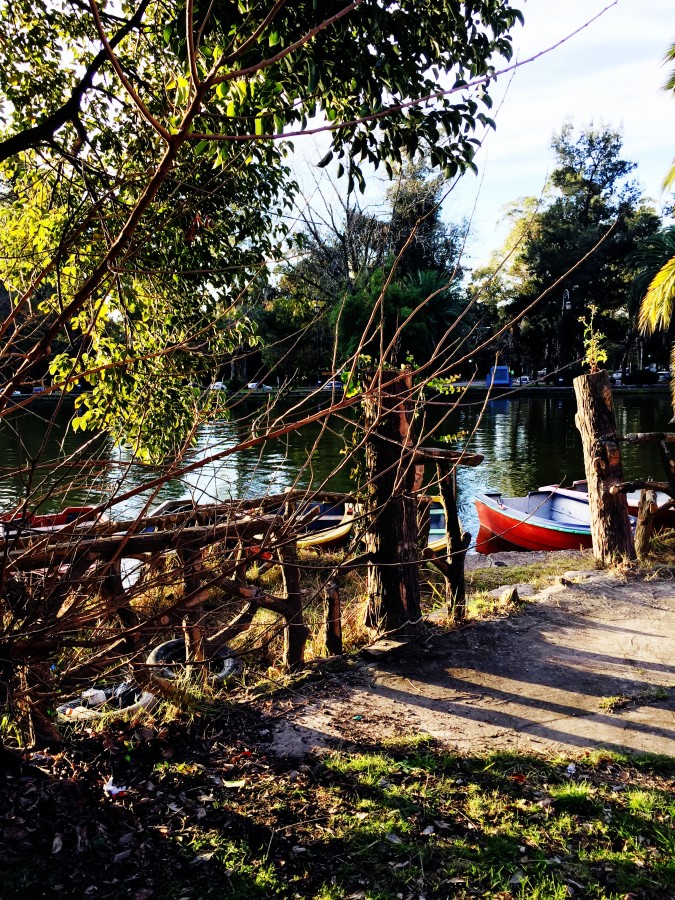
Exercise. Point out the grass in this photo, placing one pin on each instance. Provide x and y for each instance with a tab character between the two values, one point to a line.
402	820
536	574
614	704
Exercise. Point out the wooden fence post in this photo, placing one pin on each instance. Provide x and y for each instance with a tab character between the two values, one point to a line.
193	628
610	524
295	630
391	538
333	617
457	541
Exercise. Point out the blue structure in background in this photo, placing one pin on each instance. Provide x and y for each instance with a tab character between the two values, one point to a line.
499	376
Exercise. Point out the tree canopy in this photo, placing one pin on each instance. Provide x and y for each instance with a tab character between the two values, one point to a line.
144	174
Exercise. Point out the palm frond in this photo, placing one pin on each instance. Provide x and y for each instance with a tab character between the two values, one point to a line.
648	258
669	180
656	310
670	57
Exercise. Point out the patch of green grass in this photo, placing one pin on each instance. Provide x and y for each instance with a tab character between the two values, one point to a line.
576	797
537	574
614	704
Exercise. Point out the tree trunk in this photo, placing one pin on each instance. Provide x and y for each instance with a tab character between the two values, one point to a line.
610	524
391	536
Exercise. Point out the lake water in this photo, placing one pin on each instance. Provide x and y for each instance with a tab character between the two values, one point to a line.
527	442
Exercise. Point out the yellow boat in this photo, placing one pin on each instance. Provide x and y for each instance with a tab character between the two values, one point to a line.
331	528
437	538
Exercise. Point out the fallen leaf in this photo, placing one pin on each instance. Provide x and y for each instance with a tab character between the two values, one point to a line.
234	784
394	838
57	843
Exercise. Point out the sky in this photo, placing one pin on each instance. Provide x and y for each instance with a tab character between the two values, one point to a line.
610	73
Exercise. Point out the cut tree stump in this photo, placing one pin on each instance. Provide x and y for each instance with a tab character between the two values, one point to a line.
645	523
610	523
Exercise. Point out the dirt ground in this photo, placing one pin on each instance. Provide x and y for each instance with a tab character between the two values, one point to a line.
588	664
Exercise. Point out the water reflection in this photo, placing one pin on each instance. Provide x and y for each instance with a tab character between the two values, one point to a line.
527	442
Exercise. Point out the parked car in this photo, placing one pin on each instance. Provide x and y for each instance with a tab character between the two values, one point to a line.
218	386
523	379
664	376
332	386
258	386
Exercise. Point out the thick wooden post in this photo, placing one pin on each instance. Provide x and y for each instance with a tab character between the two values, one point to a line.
295	630
423	521
645	523
391	538
457	541
610	524
193	629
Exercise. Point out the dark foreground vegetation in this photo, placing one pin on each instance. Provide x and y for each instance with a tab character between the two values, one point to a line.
206	812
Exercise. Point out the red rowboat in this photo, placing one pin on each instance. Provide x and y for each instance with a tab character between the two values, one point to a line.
543	520
13	522
665	515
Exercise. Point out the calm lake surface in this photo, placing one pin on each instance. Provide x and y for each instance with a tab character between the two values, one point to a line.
527	442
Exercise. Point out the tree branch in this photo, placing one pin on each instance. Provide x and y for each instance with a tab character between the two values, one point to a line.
45	130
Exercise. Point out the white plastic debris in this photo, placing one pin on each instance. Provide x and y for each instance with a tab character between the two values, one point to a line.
112	790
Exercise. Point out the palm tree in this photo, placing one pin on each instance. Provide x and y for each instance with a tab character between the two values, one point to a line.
655	261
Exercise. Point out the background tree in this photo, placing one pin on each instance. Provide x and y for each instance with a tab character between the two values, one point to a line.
590	218
407	259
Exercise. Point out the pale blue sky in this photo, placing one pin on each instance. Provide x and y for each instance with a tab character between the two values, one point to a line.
611	72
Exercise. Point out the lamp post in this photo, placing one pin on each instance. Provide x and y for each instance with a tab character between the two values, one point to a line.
565	308
316	309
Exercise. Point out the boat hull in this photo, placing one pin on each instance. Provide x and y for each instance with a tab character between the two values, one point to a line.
664	517
331	529
525	529
17	522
